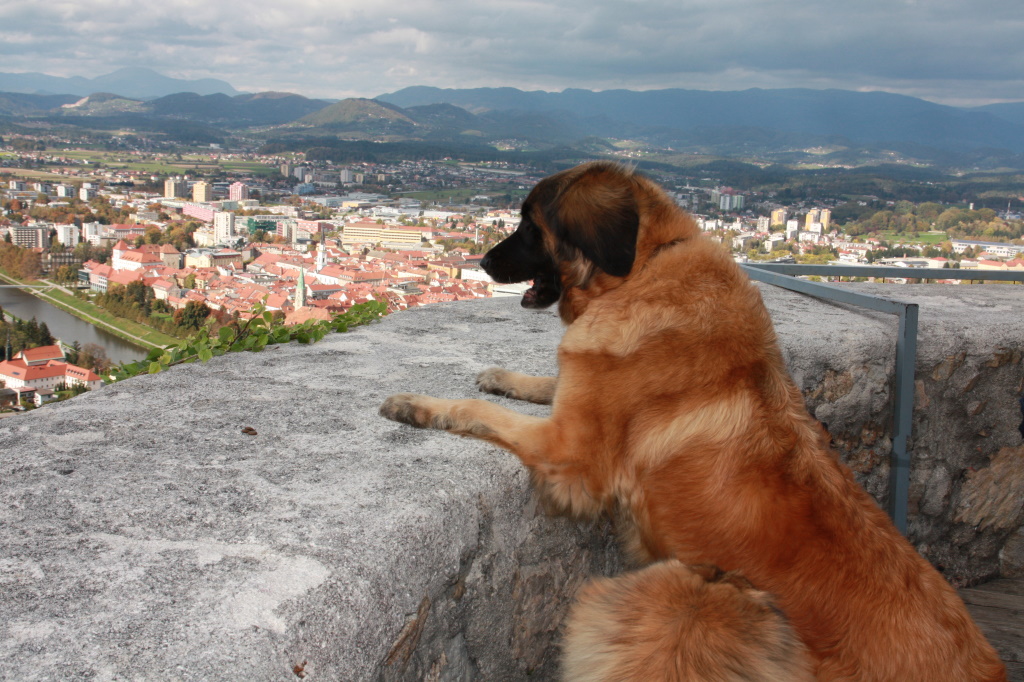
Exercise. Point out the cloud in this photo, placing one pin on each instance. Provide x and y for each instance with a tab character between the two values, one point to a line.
946	50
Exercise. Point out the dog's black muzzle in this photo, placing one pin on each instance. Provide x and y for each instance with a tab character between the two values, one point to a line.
522	257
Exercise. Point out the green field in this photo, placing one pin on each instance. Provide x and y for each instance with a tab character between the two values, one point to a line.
112	323
933	238
152	164
29	174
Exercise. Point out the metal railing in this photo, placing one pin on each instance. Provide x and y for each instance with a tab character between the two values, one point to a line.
786	275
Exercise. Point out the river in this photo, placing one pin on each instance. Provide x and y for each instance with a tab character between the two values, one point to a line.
66	326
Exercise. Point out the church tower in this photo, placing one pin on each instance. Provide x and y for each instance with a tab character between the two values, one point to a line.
300	289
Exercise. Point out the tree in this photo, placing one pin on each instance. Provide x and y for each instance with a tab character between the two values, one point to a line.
136	292
72	353
45	337
94	357
66	274
83	251
31	329
192	315
29	267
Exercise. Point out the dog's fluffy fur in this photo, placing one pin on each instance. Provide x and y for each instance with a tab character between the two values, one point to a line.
674	623
674	411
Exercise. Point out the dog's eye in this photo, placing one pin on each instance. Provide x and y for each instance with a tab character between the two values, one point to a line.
529	229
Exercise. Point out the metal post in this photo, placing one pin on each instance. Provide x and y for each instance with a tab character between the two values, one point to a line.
899	467
906	360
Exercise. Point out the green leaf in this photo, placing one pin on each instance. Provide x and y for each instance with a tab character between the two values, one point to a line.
155	367
205	354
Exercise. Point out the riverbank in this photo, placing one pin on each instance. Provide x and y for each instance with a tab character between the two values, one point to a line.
64	299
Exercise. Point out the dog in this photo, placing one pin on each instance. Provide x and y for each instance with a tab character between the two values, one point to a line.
674	412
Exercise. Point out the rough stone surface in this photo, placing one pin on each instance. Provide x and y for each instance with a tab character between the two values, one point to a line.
143	535
1011	558
994	496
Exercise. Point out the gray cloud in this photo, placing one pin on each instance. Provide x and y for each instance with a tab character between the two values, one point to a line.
944	50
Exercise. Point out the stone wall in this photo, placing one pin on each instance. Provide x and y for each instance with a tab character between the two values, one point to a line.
143	535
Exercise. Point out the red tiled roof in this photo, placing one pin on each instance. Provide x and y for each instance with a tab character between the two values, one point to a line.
51	369
124	277
40	354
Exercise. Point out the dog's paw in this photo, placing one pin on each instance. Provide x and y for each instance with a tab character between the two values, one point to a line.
494	380
407	408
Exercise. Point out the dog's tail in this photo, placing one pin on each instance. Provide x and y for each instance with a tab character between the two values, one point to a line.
671	621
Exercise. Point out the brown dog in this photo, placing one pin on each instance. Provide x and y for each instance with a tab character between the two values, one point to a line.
673	409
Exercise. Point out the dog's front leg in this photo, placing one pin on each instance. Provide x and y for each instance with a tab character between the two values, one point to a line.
551	453
540	390
522	434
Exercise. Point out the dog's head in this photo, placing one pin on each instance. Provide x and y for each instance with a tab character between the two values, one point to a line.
575	224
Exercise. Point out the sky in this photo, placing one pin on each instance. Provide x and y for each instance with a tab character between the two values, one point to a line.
958	52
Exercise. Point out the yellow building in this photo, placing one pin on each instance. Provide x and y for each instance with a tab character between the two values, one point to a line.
374	233
202	192
825	219
813	216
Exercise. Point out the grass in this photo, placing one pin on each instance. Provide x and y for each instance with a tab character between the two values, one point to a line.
922	237
35	174
166	164
112	323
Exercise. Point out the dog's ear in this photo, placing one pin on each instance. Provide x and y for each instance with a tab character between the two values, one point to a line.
598	214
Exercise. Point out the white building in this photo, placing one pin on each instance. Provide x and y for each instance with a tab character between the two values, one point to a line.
175	188
775	241
223	226
999	249
68	235
792	228
93	232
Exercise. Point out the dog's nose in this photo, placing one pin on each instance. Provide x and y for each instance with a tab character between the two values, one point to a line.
485	262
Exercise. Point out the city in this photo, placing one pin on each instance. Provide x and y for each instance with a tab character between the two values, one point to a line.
308	240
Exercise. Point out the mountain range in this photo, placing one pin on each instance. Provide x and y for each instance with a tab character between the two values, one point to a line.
135	81
675	115
833	126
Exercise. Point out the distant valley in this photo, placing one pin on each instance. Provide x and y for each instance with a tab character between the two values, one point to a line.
820	128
